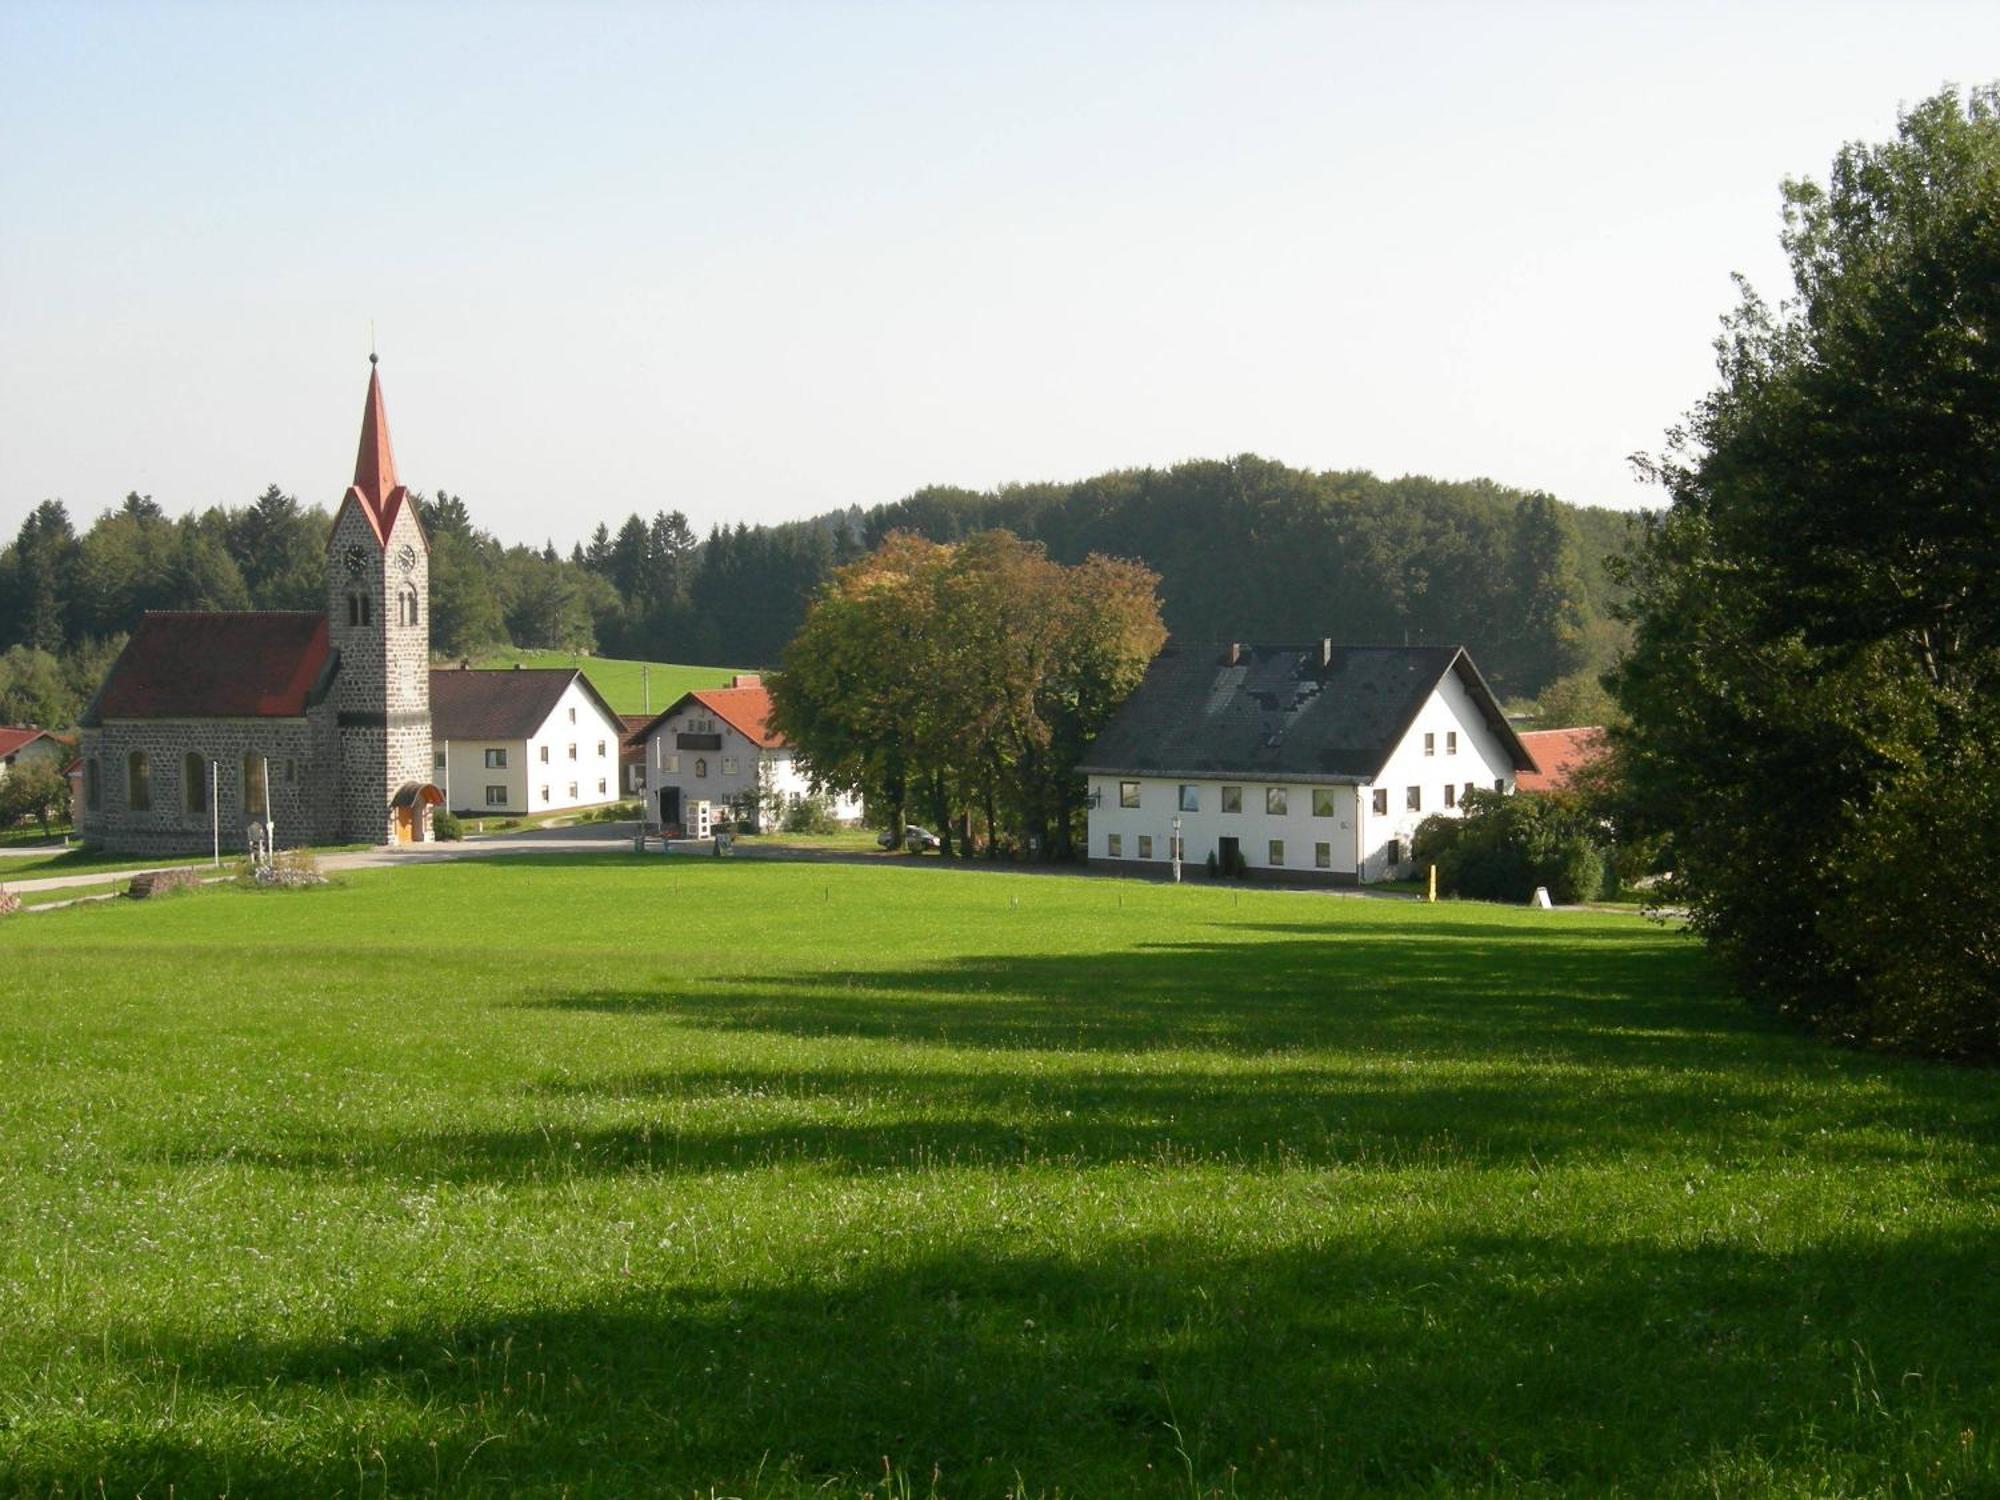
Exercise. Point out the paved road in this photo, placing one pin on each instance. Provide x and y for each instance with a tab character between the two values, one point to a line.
585	838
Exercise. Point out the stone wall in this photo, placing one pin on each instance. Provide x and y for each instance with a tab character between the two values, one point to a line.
170	826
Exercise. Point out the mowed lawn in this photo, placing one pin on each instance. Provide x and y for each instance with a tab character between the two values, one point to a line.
602	1177
624	684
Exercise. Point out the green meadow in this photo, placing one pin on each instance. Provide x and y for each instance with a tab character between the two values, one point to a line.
619	1177
626	685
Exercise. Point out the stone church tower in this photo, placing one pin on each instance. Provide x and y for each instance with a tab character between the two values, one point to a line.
378	616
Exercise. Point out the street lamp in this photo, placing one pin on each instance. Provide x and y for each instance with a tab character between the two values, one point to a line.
1176	850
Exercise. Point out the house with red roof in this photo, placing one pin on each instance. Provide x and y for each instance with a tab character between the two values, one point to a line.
1560	754
306	726
716	745
24	744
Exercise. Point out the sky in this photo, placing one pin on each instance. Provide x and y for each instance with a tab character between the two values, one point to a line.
754	262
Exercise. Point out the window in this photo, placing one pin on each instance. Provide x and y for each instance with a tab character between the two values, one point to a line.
545	755
406	606
496	758
1274	801
1450	795
1190	799
496	796
1114	846
194	784
1499	783
138	782
572	791
545	794
1322	802
437	760
670	762
1395	851
359	609
728	765
1322	856
1468	790
1451	742
572	750
1232	799
256	800
600	749
572	719
1430	744
701	765
1128	794
1380	802
93	792
291	772
1277	851
1413	799
1145	846
600	786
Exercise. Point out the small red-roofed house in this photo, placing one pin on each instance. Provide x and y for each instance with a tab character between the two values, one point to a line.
24	745
716	745
1559	754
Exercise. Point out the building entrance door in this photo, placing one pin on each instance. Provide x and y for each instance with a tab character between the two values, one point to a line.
1226	851
670	806
406	824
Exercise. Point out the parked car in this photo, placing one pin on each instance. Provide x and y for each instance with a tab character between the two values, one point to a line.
916	840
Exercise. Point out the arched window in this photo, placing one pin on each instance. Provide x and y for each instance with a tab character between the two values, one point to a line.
194	784
406	606
138	782
357	609
255	803
93	787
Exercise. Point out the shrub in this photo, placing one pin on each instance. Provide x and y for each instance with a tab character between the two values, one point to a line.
445	825
812	814
1501	848
1212	865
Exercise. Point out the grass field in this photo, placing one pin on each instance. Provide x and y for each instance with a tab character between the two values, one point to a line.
623	683
596	1177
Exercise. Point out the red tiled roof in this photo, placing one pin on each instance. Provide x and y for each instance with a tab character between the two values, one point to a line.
252	664
747	710
633	738
12	738
1560	753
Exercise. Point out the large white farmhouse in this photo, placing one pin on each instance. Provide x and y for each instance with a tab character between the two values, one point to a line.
527	741
716	745
1309	762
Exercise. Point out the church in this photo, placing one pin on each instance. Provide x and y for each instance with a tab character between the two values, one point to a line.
317	725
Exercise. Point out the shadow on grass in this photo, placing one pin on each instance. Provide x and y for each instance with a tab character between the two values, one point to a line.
1154	1366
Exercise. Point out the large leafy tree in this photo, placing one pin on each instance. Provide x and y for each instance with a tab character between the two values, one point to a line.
965	679
1813	683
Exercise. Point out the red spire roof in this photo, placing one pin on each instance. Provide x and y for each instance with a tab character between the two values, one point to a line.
375	483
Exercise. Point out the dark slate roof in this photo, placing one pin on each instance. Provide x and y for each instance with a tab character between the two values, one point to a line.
1277	712
510	703
249	664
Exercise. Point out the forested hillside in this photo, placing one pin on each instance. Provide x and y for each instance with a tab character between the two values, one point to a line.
1245	548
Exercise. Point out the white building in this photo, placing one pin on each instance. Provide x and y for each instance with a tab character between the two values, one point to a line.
25	745
1312	763
716	745
522	742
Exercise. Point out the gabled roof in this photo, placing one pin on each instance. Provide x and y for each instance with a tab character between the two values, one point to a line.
248	664
1301	713
635	725
1559	754
511	703
747	710
15	737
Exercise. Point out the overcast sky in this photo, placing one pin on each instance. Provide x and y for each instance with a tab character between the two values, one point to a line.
756	262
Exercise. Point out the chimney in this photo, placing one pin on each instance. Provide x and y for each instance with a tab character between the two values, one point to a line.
1233	655
1325	652
747	680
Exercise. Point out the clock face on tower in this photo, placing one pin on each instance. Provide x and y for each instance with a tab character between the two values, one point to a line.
406	557
354	558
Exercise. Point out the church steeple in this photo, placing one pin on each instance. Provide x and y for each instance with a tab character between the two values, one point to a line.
375	483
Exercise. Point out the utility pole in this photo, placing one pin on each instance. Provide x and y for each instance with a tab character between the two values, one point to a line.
270	824
215	811
646	682
1176	850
